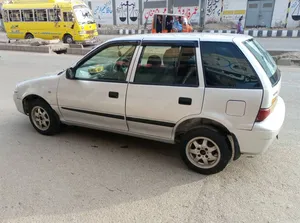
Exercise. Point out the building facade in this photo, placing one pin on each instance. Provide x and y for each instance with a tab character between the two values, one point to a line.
256	13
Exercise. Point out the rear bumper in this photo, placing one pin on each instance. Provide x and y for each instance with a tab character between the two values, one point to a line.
259	139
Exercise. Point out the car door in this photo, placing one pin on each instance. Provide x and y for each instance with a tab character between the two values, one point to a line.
96	95
233	91
164	88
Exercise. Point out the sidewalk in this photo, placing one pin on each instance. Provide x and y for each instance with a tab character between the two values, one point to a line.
294	33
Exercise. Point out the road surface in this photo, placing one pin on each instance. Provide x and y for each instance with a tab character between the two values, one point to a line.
280	44
91	176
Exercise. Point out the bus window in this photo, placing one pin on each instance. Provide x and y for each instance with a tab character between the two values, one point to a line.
40	15
5	16
27	15
14	15
68	16
54	15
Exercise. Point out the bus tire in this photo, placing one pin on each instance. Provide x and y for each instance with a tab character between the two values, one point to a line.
29	36
68	39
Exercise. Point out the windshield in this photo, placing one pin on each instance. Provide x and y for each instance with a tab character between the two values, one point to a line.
83	15
265	60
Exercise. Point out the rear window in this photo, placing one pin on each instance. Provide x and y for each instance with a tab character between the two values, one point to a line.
265	60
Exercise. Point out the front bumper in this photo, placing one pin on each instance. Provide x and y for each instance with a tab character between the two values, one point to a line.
92	41
259	139
18	103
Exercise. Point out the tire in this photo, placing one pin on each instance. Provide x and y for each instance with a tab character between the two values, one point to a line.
29	36
68	39
43	118
205	158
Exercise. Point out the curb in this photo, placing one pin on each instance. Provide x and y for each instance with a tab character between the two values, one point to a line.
252	32
23	48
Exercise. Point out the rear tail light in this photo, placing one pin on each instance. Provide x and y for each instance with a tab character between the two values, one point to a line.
263	113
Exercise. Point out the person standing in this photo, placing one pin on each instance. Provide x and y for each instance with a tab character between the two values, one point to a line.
169	23
240	25
177	26
159	24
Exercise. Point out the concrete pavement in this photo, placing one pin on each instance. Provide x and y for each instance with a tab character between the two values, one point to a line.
91	176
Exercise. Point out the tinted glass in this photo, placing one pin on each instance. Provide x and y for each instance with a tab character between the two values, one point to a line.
225	66
265	60
166	65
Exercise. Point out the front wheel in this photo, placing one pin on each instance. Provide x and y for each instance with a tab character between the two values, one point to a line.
68	39
43	118
29	36
205	150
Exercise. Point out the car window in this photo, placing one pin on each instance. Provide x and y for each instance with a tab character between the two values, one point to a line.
167	65
110	64
224	65
265	60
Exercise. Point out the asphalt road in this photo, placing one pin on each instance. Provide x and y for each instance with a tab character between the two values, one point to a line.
280	44
92	176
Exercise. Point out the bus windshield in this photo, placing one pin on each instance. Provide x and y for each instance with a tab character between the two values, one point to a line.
83	15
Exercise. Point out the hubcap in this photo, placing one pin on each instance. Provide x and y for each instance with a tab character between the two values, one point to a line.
69	40
203	152
40	118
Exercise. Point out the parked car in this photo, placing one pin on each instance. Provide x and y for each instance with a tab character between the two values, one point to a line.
216	95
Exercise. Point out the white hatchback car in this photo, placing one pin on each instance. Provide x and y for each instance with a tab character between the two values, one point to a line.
217	95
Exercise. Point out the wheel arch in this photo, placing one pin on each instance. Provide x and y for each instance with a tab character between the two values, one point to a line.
28	33
196	122
31	97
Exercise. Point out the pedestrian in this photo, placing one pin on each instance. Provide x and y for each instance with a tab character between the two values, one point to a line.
159	24
177	24
169	23
240	25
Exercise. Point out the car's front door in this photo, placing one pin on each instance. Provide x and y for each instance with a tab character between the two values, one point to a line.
96	96
166	87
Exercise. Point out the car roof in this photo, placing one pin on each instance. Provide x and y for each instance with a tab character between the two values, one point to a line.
224	37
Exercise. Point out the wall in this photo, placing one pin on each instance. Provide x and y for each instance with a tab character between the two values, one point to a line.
102	11
280	12
213	11
148	14
233	10
191	12
224	10
133	12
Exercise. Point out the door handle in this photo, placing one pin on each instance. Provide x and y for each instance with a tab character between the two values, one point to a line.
184	101
113	94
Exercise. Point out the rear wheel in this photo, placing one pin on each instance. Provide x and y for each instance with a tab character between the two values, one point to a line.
68	39
43	118
29	36
205	150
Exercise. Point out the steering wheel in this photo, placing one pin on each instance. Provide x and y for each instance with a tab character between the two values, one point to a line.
121	66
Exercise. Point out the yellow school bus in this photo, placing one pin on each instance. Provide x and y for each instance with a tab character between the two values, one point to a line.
68	20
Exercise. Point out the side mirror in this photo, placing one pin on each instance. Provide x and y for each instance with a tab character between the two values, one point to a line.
70	73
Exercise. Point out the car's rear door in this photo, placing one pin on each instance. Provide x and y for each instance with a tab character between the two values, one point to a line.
165	87
233	90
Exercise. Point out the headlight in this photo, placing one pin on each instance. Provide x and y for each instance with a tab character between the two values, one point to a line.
16	89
